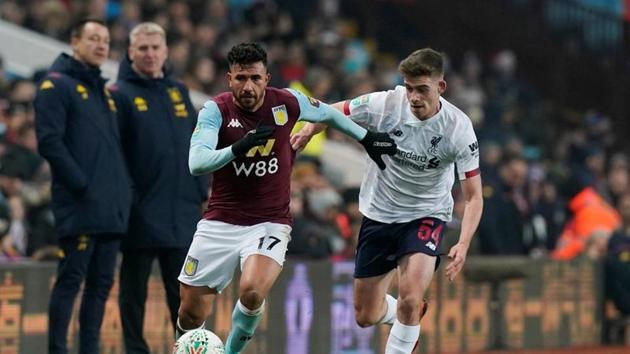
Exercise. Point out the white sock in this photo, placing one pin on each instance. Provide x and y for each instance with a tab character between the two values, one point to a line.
390	314
402	338
249	312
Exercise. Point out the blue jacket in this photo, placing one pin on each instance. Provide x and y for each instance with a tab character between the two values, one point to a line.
157	119
77	133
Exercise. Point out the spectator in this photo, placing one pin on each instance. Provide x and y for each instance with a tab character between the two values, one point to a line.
618	260
506	214
551	208
157	119
591	216
23	154
317	83
77	134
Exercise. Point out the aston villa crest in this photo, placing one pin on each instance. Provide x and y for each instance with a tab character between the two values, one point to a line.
280	114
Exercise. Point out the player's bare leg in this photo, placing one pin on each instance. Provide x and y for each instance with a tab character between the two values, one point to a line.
415	272
371	304
195	306
258	276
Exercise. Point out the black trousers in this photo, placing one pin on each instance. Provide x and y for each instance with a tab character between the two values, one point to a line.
86	257
134	276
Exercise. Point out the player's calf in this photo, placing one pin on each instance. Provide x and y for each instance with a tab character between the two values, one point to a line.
403	339
424	308
189	318
244	324
423	311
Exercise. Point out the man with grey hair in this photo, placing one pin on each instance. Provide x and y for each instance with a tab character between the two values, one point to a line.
156	120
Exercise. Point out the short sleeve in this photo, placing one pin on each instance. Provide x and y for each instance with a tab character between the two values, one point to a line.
467	158
367	109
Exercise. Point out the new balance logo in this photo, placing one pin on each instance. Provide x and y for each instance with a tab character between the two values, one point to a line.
234	123
245	338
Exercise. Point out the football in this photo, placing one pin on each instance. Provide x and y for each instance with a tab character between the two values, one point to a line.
199	341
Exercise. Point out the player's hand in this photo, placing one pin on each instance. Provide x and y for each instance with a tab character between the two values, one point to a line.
377	144
299	140
457	256
253	138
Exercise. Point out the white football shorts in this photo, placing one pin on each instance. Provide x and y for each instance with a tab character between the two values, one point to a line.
218	247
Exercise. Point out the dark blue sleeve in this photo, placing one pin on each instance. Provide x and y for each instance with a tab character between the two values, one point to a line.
51	115
124	114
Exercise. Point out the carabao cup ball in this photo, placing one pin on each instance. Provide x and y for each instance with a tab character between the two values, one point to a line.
199	341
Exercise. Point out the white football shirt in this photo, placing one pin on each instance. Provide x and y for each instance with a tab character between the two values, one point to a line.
418	180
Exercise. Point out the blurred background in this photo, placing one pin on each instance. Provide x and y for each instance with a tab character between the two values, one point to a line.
545	84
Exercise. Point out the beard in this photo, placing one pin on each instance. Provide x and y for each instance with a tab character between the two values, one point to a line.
248	101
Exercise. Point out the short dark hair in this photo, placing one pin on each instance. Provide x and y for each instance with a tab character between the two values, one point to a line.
77	28
423	62
246	54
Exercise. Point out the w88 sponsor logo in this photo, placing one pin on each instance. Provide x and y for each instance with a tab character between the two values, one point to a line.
261	167
258	168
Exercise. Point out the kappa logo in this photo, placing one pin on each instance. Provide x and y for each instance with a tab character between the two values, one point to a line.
234	123
434	144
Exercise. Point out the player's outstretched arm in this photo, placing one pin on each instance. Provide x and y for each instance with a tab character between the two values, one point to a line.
376	144
472	191
309	130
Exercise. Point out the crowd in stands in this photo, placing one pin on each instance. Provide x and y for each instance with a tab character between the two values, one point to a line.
541	163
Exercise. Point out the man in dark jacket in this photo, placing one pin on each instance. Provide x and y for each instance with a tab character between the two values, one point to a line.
156	120
506	211
77	133
617	261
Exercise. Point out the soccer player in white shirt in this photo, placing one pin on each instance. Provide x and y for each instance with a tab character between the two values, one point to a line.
406	205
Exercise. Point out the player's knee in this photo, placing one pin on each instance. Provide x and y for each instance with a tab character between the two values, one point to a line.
252	298
363	322
364	317
409	304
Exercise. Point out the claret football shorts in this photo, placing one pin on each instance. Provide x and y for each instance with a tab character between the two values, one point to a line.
218	247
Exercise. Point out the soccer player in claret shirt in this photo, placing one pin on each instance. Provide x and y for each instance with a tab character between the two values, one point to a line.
406	206
242	137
